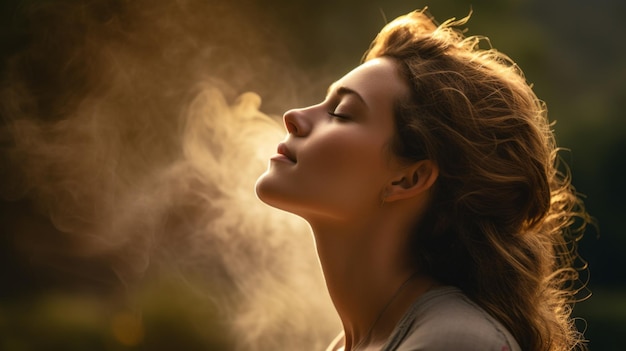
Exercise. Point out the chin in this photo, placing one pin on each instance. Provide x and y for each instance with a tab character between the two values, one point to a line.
273	194
267	192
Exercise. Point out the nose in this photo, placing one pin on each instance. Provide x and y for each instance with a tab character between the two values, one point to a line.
297	123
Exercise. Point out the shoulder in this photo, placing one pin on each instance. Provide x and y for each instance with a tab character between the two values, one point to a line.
446	319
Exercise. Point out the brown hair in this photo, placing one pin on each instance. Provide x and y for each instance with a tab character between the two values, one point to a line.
499	225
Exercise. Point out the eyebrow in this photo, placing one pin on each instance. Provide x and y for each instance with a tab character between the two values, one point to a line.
343	90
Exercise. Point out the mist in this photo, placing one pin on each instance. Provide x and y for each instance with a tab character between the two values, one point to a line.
132	134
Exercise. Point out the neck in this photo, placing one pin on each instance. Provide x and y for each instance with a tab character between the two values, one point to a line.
369	276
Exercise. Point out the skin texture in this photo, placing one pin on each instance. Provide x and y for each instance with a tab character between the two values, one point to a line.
341	160
336	171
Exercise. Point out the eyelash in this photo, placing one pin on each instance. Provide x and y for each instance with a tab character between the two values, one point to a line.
333	114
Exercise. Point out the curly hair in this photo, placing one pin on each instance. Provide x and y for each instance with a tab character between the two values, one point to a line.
503	221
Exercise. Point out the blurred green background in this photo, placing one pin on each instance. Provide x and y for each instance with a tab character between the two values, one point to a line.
572	51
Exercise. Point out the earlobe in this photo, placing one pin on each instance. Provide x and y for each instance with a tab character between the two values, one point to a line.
412	181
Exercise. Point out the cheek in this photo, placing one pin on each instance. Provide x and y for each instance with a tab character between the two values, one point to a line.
339	174
346	162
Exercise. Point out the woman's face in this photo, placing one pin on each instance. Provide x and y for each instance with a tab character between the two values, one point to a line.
335	161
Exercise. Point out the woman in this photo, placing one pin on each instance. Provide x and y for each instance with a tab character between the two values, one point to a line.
428	178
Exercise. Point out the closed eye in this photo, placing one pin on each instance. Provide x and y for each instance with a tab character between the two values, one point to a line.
338	115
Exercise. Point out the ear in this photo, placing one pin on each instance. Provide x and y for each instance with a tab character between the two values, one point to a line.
412	181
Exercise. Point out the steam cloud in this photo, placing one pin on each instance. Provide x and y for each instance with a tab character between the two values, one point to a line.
127	146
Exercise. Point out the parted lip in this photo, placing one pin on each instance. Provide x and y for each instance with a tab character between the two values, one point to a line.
283	150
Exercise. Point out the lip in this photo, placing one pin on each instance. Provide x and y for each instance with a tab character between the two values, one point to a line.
284	154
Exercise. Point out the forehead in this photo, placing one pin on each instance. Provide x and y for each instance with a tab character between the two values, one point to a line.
376	81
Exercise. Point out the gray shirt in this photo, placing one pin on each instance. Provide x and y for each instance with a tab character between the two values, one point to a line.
444	319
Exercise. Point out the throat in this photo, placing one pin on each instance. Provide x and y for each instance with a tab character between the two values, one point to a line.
371	280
